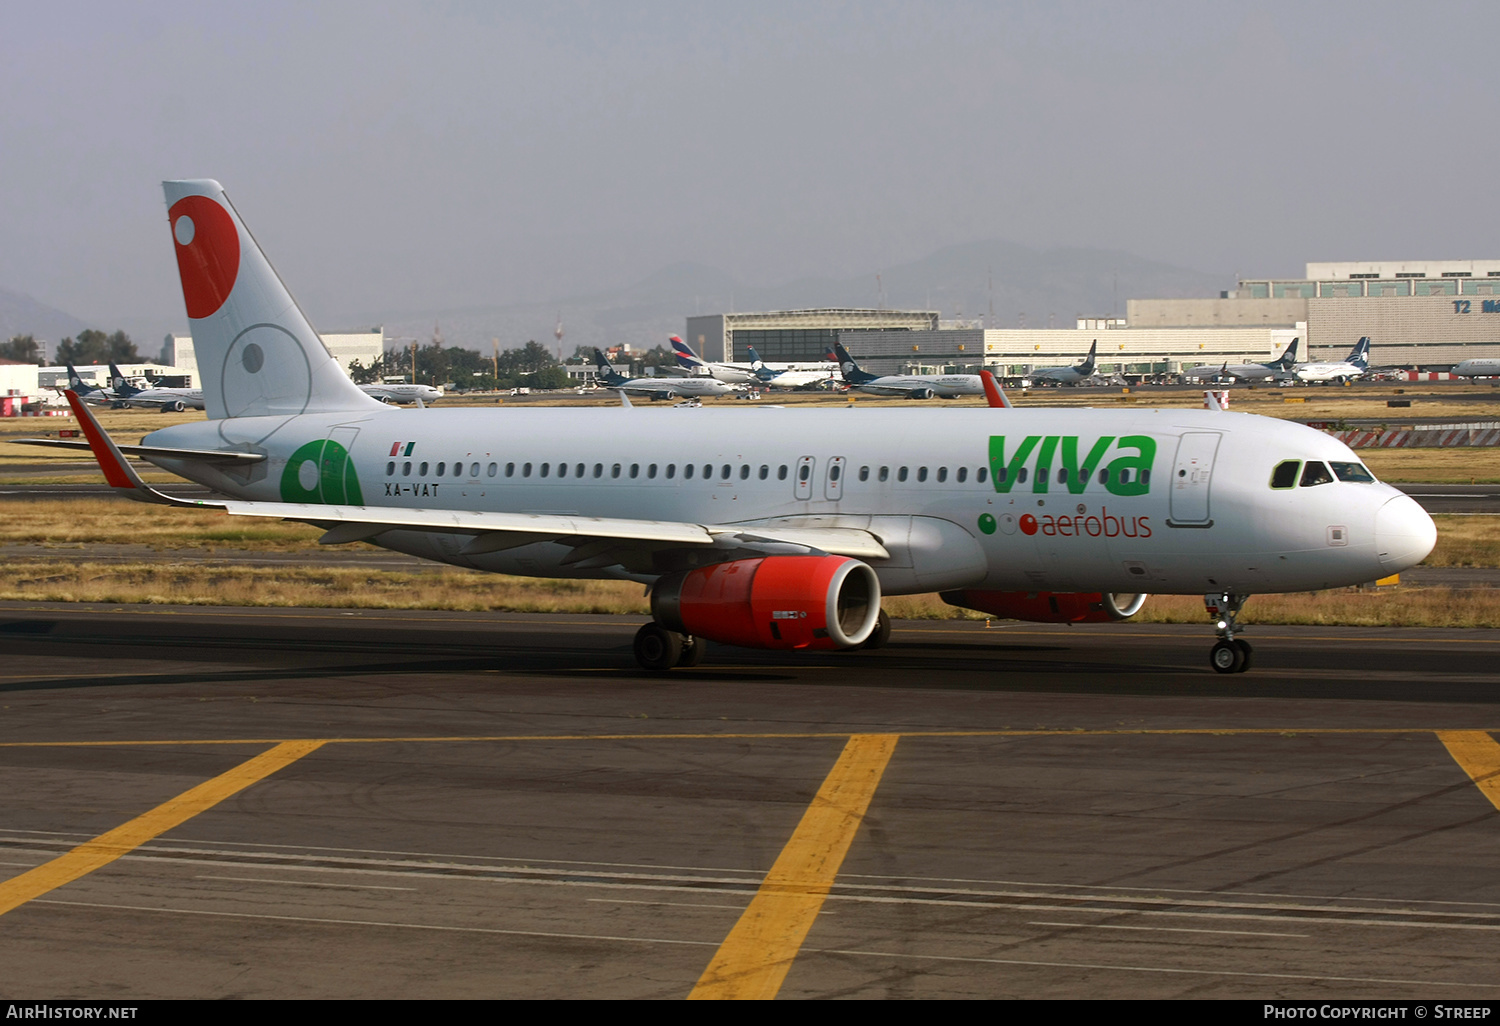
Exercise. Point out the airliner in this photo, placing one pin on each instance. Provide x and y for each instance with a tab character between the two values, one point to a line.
910	386
1280	369
658	388
1479	367
757	372
403	394
773	529
94	395
1068	375
792	375
1355	365
693	364
156	397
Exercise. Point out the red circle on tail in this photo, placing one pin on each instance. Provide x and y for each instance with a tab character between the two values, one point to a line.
210	260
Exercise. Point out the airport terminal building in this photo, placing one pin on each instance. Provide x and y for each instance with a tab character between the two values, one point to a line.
346	347
917	342
1420	314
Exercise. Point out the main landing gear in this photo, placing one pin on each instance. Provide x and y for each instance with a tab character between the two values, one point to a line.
1229	654
658	649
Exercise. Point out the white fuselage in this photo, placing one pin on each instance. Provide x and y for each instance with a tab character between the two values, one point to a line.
403	395
922	481
165	398
944	386
1341	371
667	388
1237	371
1478	368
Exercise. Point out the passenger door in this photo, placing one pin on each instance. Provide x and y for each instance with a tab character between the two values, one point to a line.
1192	479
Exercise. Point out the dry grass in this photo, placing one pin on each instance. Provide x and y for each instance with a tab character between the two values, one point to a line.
1479	465
1472	540
78	522
197	584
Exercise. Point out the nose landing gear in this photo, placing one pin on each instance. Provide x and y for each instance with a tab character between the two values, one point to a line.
1229	654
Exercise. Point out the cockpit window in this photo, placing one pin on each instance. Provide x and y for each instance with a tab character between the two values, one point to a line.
1356	472
1315	473
1285	474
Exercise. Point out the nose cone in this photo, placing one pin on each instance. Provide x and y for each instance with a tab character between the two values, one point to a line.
1404	534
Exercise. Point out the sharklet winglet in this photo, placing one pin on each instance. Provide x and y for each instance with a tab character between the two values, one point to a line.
117	470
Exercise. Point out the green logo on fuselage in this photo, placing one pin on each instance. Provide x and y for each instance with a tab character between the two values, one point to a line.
1044	460
321	472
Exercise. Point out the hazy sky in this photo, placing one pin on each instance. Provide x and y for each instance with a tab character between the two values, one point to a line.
428	156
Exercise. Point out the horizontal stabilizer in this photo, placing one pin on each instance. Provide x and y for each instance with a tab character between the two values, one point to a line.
153	451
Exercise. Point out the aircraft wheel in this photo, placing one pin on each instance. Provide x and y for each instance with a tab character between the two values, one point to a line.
1246	651
1226	657
656	648
692	650
881	634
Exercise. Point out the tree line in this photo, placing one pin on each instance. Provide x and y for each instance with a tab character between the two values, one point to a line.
89	347
530	366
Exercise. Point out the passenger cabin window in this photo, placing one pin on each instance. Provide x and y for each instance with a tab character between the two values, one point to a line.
442	468
545	468
577	471
491	469
614	471
963	474
921	473
942	474
885	473
864	473
765	471
406	469
474	470
671	471
1356	472
901	474
981	474
390	468
1316	473
781	472
687	470
744	471
1021	476
651	471
725	471
526	470
422	470
635	470
510	470
598	470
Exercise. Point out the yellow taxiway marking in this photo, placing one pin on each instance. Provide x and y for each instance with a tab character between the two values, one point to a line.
755	957
1479	755
1287	732
107	847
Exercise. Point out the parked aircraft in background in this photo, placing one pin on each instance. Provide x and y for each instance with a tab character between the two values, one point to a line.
1280	369
659	388
403	394
1355	365
911	386
1481	367
690	362
818	376
776	531
1067	375
94	395
168	400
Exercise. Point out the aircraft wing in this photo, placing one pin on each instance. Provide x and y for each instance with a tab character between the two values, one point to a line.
597	541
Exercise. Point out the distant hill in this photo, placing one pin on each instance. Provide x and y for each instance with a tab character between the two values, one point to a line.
1042	286
22	315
